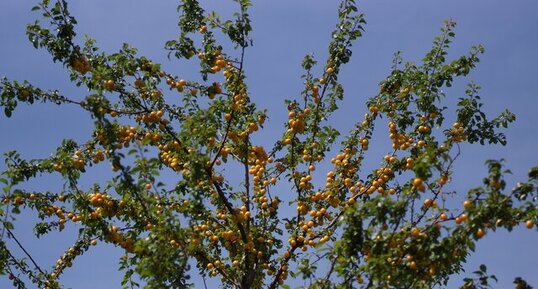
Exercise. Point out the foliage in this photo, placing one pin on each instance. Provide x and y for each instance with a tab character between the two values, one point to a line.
392	227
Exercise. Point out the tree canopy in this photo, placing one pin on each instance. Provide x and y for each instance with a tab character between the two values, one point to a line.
192	193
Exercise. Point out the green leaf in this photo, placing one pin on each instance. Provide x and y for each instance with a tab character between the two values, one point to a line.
16	210
533	173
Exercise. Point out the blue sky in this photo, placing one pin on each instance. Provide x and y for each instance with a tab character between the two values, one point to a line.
284	31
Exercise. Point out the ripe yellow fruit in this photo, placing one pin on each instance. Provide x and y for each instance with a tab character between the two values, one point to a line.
139	83
443	180
110	84
417	182
480	233
529	224
81	65
415	232
324	239
429	203
423	129
79	164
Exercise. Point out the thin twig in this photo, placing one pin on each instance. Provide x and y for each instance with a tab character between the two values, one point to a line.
10	233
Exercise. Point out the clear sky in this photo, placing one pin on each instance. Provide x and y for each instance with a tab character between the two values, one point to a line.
284	31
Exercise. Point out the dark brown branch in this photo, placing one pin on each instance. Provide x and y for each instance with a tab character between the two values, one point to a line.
10	233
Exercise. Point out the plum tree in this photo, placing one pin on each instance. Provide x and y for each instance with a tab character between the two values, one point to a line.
395	226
